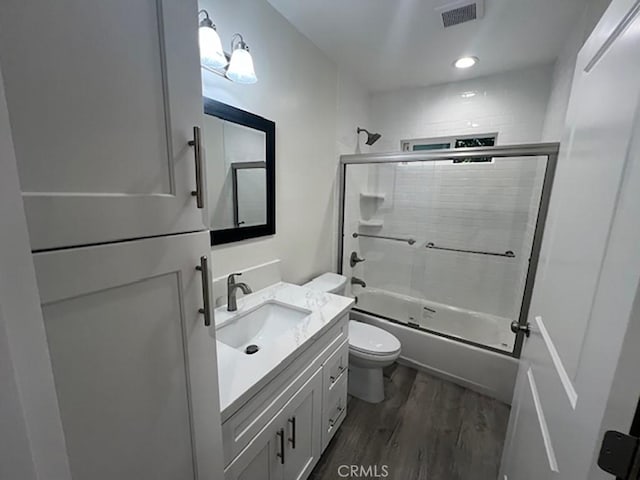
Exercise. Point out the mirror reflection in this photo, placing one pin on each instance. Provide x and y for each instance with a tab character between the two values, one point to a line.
249	193
236	170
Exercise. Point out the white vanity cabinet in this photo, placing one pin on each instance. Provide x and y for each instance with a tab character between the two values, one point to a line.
282	431
103	98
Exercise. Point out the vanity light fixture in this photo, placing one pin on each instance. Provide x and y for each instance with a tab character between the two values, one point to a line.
240	68
211	52
237	66
465	62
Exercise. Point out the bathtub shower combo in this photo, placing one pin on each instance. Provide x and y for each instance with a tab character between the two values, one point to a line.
441	249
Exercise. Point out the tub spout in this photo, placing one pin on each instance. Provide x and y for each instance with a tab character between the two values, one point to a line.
357	281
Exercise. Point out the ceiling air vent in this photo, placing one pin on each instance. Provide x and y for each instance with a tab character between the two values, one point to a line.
457	12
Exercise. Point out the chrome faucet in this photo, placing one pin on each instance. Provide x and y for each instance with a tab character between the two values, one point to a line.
232	286
357	281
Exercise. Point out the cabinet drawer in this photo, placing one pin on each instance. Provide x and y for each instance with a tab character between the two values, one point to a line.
336	366
334	409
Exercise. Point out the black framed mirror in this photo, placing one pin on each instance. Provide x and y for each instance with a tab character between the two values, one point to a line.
240	149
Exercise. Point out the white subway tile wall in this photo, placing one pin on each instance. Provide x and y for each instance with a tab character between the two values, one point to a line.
513	104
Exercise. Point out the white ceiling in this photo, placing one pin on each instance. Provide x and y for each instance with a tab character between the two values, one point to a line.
391	44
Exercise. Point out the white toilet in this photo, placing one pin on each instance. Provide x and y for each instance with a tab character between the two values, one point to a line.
370	348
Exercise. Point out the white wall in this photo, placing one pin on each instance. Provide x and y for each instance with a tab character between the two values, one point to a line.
511	103
297	89
316	110
353	111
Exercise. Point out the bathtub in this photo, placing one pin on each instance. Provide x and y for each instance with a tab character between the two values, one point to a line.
485	371
476	327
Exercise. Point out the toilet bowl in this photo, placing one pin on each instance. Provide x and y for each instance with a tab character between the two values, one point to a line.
370	348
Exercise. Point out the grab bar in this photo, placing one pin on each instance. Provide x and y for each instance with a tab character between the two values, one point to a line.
508	253
410	241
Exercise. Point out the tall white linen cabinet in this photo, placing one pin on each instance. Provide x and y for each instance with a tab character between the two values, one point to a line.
103	98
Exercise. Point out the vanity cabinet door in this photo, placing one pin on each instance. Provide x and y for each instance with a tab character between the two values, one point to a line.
263	458
304	437
134	366
103	97
289	446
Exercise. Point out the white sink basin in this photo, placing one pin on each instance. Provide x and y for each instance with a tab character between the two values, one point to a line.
261	325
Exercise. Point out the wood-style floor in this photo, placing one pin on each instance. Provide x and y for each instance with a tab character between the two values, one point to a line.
425	429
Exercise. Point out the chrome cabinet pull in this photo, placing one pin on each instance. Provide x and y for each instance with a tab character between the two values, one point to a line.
281	454
340	370
292	440
333	421
196	143
204	269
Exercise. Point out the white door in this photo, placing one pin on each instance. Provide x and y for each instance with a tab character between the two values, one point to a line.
589	267
134	366
103	97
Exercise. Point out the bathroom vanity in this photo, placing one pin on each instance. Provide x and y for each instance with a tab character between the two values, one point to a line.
282	359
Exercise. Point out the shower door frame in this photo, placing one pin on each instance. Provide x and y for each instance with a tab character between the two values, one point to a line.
548	150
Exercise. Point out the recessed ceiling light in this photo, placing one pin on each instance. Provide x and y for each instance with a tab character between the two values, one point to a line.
465	62
468	94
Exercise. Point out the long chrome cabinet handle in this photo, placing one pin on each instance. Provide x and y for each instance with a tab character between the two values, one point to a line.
196	143
332	421
281	454
292	440
203	268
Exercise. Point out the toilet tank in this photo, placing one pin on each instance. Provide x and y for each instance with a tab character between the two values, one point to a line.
328	282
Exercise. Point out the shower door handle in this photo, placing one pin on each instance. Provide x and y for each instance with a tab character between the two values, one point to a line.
517	328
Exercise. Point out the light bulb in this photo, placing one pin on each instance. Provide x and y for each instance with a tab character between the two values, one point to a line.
241	66
211	53
465	62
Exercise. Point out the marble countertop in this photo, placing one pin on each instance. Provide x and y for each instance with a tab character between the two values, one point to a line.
241	376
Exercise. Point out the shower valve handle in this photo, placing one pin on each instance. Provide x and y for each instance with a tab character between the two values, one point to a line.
354	260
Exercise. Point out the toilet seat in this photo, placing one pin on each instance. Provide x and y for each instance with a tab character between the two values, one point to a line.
371	341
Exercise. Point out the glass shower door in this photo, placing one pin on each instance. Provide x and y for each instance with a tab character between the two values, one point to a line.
446	245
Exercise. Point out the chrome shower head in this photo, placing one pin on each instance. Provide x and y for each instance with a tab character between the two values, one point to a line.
371	137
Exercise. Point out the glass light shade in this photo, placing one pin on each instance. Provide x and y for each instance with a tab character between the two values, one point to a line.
241	67
211	53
